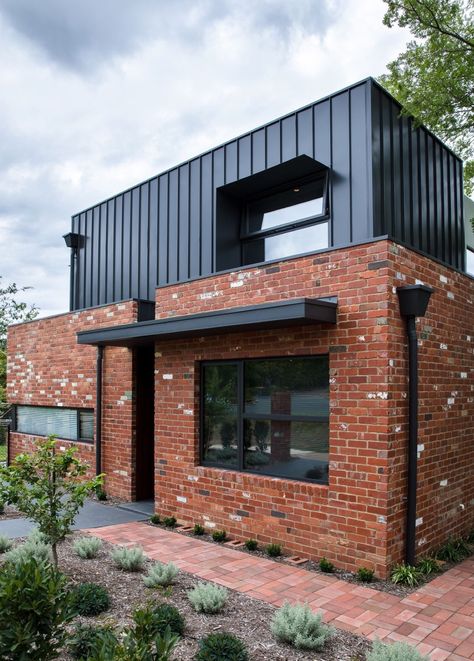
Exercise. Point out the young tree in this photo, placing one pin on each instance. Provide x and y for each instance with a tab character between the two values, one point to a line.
11	311
434	77
48	486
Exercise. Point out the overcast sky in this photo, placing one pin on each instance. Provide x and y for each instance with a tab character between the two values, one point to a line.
96	95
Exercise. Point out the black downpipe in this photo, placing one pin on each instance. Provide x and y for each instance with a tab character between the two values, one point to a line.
410	554
98	411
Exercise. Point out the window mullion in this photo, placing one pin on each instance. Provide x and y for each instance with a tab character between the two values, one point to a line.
240	414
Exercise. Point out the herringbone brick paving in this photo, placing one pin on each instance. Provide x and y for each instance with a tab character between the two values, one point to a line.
438	618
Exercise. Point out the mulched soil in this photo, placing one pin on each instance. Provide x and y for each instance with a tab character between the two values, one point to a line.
243	616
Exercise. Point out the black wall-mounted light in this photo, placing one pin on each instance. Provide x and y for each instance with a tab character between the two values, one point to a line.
72	240
413	301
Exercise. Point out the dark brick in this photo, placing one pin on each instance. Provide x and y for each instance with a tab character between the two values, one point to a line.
337	348
163	461
204	492
379	265
273	269
241	512
278	515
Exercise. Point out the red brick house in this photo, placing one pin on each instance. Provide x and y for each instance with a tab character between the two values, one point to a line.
237	347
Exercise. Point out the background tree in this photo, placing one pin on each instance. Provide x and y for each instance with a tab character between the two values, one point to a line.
12	311
433	78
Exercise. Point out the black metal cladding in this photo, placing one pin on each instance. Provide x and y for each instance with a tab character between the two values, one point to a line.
385	179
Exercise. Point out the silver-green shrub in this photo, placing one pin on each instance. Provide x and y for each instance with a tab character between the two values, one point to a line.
394	652
5	543
129	559
160	574
299	626
207	598
87	547
33	547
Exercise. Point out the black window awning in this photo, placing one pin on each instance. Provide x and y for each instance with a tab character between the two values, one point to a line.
297	311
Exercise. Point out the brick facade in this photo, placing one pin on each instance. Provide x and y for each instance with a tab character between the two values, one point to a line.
47	367
358	519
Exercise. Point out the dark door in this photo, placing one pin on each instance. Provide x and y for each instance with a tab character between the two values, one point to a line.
144	420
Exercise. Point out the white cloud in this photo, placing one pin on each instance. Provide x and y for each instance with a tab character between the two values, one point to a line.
87	111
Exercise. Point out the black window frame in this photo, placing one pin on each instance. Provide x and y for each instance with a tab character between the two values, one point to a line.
78	411
247	236
241	416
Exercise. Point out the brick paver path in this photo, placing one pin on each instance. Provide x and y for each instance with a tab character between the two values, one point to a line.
438	618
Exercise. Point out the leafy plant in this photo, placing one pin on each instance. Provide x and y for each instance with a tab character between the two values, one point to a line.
429	565
90	599
273	550
207	598
153	620
100	493
35	606
198	530
33	547
454	550
2	507
87	547
87	640
160	574
5	543
155	519
49	487
394	652
136	647
326	566
406	575
219	536
221	647
365	575
251	544
129	559
170	521
299	626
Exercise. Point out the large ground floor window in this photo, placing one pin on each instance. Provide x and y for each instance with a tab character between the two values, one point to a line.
68	424
267	416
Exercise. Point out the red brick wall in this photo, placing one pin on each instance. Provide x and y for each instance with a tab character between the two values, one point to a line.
357	519
47	367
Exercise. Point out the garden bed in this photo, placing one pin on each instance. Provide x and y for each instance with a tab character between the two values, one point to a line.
243	616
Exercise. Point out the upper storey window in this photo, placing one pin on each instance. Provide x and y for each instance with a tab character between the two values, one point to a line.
287	221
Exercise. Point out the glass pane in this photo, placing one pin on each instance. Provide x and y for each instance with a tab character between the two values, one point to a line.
86	425
288	206
279	246
295	450
470	261
220	397
288	386
43	421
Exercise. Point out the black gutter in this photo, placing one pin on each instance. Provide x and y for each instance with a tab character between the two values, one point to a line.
98	410
413	302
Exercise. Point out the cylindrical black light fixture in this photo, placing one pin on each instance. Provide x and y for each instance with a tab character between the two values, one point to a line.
413	301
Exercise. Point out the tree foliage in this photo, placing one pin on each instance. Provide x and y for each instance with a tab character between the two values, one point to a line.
434	77
48	486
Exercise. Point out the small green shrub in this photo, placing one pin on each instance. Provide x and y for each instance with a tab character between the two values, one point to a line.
88	640
219	536
273	550
198	530
251	544
326	566
90	599
207	598
394	652
406	575
299	626
454	550
365	575
35	606
221	647
160	575
163	616
32	548
428	565
155	519
129	559
100	494
87	547
5	543
170	521
2	507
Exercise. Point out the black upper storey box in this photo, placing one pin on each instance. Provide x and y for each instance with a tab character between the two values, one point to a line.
346	169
